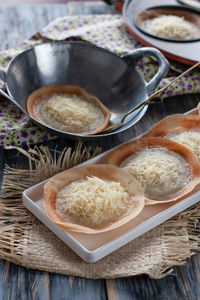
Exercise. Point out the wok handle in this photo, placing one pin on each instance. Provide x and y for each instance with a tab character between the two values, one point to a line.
3	77
163	65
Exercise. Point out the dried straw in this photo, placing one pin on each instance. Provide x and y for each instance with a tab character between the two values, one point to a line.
25	241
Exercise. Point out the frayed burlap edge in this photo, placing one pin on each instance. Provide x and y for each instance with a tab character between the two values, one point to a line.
25	241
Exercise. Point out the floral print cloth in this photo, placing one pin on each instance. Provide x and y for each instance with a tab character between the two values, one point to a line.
107	31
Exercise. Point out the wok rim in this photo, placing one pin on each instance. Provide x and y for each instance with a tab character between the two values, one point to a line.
73	136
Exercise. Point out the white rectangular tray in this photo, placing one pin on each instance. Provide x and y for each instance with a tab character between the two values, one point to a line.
93	247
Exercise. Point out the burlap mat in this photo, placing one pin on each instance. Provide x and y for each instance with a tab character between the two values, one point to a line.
27	242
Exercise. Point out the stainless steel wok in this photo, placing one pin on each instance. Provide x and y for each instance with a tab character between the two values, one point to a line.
113	79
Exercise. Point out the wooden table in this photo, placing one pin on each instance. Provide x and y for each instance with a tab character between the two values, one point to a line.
16	282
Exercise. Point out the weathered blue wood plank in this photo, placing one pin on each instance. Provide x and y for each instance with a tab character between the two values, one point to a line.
19	283
23	21
74	288
182	285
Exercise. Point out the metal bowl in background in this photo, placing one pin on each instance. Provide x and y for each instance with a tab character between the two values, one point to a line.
113	79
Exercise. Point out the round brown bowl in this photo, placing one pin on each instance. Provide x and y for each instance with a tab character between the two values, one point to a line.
189	15
121	153
61	89
173	124
106	172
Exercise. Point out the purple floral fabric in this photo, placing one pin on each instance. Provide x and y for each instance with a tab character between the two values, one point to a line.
16	129
107	31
